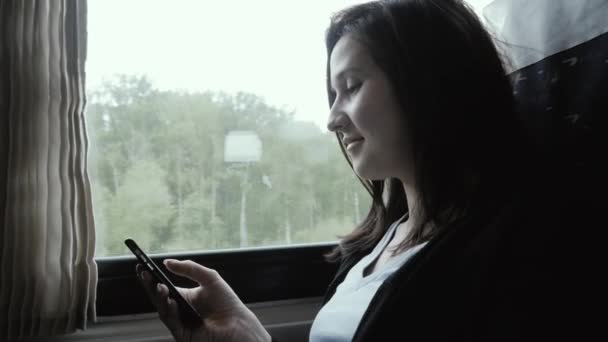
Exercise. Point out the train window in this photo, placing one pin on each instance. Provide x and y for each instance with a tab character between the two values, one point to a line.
207	126
208	140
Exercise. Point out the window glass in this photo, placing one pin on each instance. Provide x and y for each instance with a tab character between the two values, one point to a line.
207	126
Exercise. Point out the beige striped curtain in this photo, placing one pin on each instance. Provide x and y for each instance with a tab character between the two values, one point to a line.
47	272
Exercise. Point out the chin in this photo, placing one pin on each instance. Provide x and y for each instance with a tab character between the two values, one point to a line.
365	172
373	170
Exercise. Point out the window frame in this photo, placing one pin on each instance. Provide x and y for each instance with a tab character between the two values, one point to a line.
261	274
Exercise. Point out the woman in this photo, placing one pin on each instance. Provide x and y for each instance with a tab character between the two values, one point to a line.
424	113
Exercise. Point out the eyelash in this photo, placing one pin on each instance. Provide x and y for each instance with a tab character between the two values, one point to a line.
353	89
348	91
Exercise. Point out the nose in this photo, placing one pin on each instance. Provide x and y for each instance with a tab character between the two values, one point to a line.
337	119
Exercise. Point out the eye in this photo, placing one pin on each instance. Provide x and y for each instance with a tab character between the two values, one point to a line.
352	88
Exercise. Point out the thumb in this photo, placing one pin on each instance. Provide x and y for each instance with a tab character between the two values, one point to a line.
193	271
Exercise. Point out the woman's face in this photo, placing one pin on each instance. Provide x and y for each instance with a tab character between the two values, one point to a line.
367	115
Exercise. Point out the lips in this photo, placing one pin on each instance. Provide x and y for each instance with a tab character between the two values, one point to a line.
350	141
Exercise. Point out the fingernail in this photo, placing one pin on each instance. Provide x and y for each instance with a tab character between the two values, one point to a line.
158	288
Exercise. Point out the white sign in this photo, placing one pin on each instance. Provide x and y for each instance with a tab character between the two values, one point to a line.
242	147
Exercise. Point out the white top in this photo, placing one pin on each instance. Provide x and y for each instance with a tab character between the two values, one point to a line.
339	318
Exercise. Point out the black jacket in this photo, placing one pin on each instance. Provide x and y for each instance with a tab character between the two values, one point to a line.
504	277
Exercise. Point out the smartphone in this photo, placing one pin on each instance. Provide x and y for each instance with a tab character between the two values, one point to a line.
187	312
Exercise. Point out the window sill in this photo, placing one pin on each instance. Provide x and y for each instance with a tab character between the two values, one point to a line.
286	320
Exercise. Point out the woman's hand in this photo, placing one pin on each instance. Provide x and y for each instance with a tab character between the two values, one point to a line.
225	317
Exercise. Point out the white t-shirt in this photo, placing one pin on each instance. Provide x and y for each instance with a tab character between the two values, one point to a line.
339	318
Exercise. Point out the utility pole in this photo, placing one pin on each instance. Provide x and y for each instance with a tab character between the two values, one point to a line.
241	149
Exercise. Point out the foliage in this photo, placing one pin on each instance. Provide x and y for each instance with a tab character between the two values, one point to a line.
159	176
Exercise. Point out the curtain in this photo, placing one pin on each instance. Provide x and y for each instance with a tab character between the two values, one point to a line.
48	274
529	31
558	50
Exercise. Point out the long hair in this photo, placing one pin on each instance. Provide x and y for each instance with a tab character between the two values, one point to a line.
467	141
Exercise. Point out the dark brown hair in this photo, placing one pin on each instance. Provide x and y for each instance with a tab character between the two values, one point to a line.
468	142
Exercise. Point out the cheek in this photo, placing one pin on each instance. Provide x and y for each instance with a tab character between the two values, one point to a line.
389	148
379	118
365	117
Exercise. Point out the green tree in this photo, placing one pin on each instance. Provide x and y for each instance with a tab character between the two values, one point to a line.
159	171
140	209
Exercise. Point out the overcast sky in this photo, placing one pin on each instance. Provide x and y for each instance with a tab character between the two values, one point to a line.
274	48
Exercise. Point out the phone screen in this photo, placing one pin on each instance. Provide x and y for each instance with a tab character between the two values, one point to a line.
188	314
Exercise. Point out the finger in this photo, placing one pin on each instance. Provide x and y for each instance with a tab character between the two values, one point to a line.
139	271
162	293
172	321
150	287
149	282
167	310
191	270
